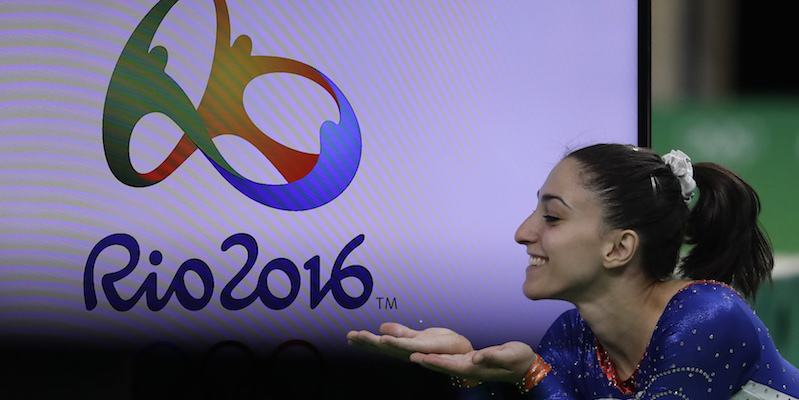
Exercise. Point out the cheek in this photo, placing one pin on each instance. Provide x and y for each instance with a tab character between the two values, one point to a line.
575	252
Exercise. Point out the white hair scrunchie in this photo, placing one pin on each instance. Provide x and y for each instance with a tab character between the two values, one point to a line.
681	167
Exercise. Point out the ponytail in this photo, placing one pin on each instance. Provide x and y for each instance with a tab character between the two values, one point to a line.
639	190
728	242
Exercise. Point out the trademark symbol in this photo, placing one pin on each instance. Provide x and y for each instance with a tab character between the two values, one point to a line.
387	303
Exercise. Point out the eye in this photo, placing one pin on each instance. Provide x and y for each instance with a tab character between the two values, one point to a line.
551	219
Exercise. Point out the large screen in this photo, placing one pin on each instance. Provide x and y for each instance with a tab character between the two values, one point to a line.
272	172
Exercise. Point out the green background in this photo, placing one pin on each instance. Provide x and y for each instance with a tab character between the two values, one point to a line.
759	139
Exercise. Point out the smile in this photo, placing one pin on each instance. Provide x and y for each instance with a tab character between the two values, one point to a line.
536	261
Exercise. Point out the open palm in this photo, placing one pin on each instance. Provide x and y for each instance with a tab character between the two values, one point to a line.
446	351
399	341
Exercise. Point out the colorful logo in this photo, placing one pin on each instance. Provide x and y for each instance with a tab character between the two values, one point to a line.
140	86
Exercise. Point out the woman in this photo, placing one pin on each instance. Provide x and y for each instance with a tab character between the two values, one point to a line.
648	324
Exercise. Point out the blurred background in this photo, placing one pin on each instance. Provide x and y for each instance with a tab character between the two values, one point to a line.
725	88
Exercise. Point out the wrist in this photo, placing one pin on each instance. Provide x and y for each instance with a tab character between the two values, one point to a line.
534	375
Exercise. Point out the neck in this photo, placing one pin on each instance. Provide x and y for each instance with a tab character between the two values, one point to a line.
624	317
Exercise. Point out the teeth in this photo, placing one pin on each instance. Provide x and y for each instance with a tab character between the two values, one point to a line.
535	261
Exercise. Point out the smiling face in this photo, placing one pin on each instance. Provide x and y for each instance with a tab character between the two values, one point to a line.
564	238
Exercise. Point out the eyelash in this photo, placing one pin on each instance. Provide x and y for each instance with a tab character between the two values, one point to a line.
551	219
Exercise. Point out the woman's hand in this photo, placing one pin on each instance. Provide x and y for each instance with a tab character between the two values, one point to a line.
401	342
505	363
446	351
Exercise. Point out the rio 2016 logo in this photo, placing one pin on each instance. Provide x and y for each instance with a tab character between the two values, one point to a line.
140	86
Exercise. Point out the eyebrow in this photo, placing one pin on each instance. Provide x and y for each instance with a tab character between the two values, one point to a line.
547	197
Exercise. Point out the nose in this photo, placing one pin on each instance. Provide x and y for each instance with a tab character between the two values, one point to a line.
527	231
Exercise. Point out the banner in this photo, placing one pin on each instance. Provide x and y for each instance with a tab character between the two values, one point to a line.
277	171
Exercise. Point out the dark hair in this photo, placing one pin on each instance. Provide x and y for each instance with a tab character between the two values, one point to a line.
640	192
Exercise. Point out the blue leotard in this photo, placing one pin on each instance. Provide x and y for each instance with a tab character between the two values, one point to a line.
707	345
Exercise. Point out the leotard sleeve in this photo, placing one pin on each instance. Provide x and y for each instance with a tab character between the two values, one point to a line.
706	346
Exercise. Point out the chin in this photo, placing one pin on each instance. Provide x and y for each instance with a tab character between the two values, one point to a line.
532	292
538	290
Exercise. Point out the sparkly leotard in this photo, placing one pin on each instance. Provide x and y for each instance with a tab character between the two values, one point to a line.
707	345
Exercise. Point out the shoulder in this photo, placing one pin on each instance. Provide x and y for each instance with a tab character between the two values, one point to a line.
568	323
568	334
568	347
706	341
710	299
708	315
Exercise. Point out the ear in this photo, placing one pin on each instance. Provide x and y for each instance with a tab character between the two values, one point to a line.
620	248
